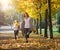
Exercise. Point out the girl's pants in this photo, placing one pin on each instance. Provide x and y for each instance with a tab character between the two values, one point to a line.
16	33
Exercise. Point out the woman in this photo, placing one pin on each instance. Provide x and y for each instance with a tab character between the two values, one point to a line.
27	26
16	29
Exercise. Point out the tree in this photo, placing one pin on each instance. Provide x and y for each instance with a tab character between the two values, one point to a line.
32	7
49	18
46	23
58	20
2	19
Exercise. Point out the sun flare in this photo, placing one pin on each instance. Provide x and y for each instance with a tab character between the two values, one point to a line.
5	4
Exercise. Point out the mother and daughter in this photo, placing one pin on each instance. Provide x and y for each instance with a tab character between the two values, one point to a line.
26	27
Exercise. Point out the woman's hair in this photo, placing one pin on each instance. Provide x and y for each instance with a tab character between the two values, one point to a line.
26	14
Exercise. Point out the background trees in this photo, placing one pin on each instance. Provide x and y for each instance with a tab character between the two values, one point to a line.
35	8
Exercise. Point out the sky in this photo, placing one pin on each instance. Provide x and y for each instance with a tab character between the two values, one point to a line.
5	4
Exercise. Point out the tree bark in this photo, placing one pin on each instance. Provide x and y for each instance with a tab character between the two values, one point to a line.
40	24
59	29
46	23
40	21
49	17
37	26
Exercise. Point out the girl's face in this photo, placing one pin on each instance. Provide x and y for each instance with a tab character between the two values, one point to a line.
16	21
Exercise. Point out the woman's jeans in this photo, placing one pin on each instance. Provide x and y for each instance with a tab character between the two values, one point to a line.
27	32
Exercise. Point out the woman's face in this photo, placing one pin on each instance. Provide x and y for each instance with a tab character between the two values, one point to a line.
26	15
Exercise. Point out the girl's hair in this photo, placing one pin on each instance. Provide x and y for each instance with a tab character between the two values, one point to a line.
16	21
26	14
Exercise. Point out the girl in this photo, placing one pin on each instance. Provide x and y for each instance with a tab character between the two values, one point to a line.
16	29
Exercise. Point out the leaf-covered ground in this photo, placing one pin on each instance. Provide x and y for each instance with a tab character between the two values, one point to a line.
35	42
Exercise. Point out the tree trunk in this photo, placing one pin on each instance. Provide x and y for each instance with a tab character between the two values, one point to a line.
45	34
40	24
37	26
59	24
49	17
59	29
40	21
